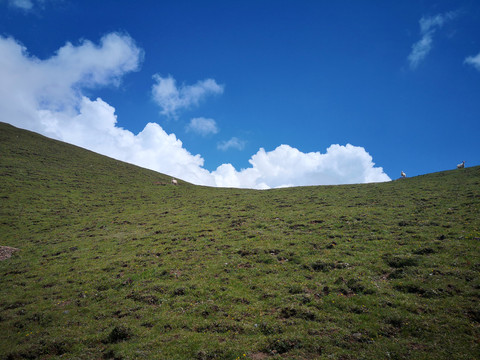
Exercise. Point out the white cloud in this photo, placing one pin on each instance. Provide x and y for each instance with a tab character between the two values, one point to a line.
431	23
22	4
29	84
46	96
171	98
474	61
420	50
29	5
202	126
233	143
428	26
287	166
94	127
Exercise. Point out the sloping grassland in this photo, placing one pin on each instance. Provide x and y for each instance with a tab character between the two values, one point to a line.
117	263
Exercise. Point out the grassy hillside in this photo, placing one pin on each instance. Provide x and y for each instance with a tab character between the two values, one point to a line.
116	263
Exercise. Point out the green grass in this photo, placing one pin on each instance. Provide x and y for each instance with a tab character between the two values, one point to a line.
116	263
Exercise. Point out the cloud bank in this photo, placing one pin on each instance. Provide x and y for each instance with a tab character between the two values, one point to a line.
428	26
46	96
286	166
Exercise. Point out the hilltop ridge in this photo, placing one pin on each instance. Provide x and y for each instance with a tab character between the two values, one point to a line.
20	145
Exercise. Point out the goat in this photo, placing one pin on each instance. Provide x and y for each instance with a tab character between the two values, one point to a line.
174	181
404	175
462	165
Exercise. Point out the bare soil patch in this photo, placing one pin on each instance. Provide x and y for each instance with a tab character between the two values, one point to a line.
6	252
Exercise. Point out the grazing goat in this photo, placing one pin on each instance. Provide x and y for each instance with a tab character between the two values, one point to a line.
462	165
404	175
174	182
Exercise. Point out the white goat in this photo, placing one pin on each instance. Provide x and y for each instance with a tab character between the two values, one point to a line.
404	175
174	181
462	165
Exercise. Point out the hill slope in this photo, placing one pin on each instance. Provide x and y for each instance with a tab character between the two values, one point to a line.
116	263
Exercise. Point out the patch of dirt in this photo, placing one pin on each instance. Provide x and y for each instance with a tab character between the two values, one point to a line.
6	252
259	356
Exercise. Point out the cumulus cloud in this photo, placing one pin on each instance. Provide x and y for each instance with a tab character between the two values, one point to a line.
171	98
29	84
428	26
202	126
46	96
233	143
474	61
94	127
287	166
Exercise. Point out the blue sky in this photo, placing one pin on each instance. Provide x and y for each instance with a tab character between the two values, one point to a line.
250	93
